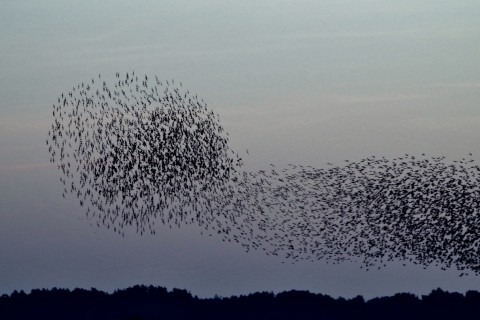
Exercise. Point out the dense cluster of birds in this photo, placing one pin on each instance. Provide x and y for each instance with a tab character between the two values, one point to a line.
145	150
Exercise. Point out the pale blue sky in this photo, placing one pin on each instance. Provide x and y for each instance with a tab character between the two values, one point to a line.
294	81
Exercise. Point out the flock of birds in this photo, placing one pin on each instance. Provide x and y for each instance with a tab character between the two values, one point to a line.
145	150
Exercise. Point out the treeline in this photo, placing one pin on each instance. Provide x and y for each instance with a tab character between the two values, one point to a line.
148	302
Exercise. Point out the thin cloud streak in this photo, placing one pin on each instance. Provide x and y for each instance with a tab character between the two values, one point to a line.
26	167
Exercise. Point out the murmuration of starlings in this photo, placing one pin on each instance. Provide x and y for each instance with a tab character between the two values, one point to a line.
140	151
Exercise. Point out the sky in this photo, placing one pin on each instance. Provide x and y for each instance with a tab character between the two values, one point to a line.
305	82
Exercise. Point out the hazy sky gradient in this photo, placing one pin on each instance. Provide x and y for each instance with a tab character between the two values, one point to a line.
305	82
